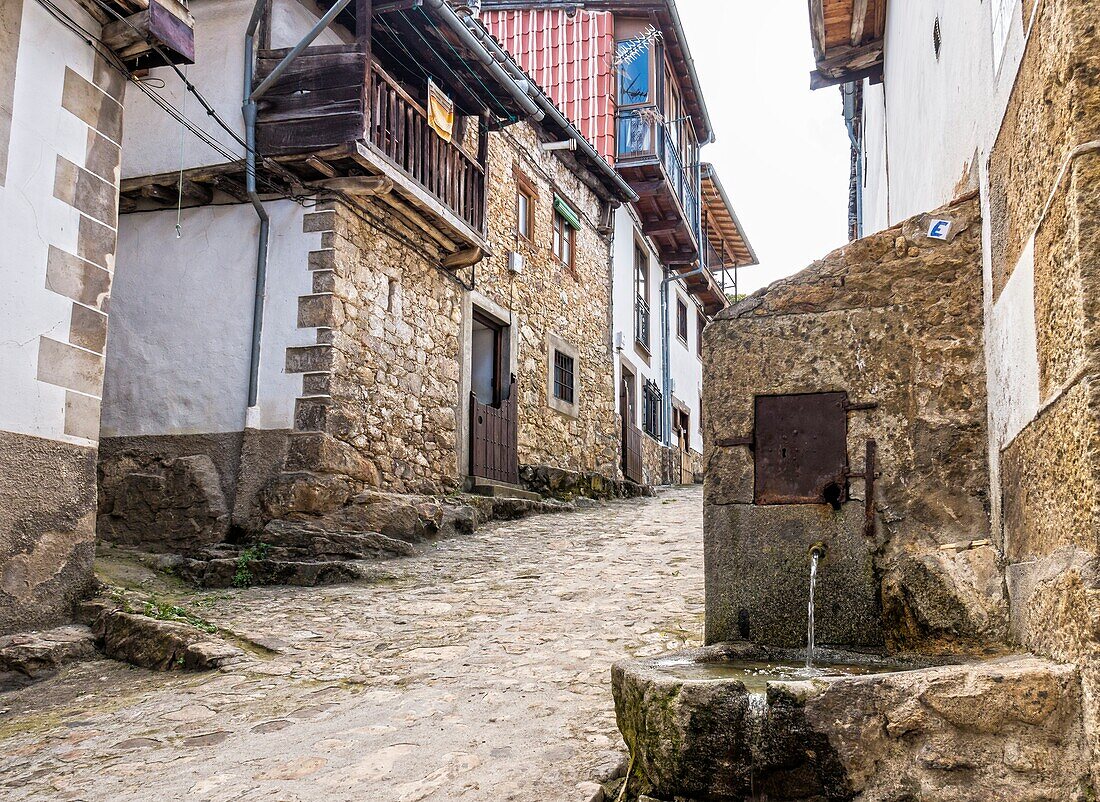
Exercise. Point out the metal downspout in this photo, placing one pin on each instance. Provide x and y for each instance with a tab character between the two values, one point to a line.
848	91
666	344
249	111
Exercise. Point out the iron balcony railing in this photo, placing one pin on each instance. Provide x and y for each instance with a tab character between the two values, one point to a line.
641	322
642	134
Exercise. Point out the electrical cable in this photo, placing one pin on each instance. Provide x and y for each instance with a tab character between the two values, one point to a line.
146	87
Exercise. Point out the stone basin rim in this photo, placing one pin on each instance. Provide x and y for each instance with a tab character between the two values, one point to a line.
656	667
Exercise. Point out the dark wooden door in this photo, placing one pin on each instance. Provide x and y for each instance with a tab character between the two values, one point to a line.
493	439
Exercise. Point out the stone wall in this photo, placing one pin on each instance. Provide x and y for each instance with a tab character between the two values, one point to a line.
1050	471
893	320
550	301
385	399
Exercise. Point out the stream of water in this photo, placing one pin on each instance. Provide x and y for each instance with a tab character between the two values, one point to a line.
814	556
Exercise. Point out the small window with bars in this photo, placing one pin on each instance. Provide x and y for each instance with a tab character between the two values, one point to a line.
564	377
651	409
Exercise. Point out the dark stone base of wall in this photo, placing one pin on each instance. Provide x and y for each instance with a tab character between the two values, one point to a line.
47	530
184	492
564	485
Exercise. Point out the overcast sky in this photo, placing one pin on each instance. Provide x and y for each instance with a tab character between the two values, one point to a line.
781	150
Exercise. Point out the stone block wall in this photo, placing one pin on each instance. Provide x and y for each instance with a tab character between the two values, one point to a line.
380	388
893	320
550	301
1046	201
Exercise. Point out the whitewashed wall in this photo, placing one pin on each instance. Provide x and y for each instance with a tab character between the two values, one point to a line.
686	368
32	219
181	321
218	74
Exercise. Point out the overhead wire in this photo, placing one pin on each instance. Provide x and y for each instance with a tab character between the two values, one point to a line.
112	60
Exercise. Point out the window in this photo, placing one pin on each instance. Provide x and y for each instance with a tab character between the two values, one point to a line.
682	321
641	296
633	58
524	206
563	381
566	224
563	377
701	322
651	409
526	193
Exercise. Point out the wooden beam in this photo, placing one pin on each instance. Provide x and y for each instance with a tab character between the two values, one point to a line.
165	24
817	27
819	80
321	166
859	17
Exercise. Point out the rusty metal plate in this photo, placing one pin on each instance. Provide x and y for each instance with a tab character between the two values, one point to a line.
801	449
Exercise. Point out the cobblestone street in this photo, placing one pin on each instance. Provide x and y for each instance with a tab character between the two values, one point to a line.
480	673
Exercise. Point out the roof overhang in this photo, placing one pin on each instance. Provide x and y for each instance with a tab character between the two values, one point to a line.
848	38
721	215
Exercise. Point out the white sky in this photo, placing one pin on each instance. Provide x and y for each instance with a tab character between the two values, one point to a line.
781	150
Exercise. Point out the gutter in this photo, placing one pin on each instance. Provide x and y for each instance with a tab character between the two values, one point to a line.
519	89
249	111
849	91
537	96
690	60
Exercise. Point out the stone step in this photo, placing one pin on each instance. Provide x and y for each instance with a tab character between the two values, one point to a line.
487	487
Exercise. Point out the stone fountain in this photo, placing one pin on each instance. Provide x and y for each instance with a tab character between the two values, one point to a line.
846	422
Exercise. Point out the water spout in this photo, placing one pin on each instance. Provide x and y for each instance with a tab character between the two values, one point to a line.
816	552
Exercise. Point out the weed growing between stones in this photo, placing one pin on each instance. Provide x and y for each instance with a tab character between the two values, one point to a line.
170	612
243	578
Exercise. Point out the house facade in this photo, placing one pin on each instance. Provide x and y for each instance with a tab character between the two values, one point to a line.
61	128
999	101
373	308
623	74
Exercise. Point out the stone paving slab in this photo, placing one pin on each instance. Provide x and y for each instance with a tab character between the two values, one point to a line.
482	672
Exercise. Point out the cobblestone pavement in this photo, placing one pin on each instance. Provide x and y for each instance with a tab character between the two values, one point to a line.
480	673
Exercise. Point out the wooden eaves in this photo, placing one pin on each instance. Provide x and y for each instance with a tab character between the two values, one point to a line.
848	37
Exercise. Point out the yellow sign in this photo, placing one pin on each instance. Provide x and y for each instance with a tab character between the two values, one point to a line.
441	111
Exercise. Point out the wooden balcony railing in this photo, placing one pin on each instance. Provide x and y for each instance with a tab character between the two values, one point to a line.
328	98
399	128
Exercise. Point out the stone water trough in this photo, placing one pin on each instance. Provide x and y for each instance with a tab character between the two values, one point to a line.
846	429
734	722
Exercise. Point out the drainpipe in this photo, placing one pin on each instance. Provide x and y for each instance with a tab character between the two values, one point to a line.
848	92
249	111
666	344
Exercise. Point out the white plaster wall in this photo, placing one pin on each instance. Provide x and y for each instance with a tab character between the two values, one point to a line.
931	119
622	308
31	219
152	142
924	129
181	321
686	367
1011	355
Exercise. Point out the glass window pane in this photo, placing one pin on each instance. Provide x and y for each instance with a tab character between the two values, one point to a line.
633	72
523	215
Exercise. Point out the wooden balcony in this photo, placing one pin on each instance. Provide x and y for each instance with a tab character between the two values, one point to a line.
668	197
333	116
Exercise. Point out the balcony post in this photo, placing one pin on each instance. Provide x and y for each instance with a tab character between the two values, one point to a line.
364	24
483	160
